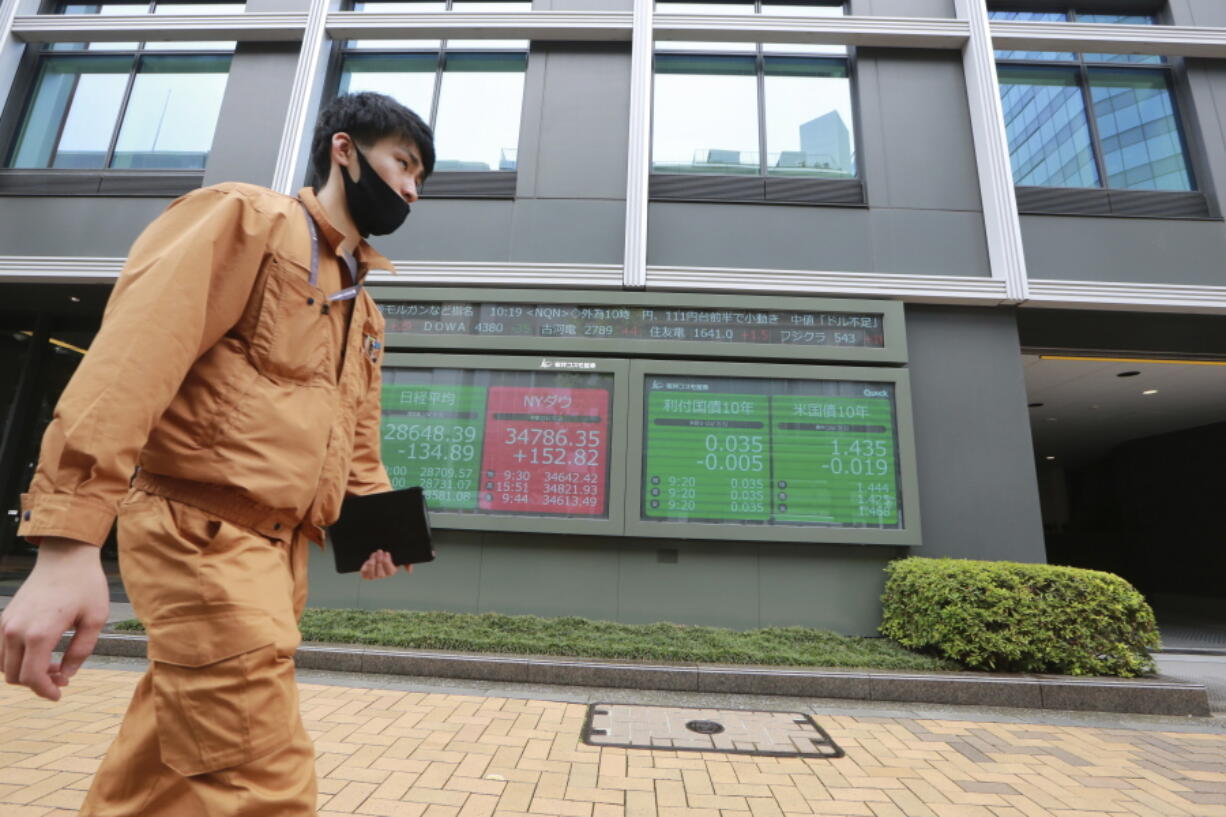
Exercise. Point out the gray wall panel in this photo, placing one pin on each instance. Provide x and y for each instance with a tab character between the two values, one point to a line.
930	242
285	6
1206	123
904	8
1198	12
581	231
978	491
74	226
1125	249
583	5
718	584
449	583
747	235
710	584
832	588
582	147
915	130
252	114
452	230
551	576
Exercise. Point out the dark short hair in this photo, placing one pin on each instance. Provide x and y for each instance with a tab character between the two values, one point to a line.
368	117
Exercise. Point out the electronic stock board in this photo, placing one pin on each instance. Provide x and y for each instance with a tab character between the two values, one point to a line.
654	447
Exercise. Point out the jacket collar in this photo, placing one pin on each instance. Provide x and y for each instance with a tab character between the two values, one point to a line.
367	257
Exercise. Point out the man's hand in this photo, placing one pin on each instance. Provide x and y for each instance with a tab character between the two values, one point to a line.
66	590
380	566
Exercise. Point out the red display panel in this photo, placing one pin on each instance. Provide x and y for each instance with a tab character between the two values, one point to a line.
544	450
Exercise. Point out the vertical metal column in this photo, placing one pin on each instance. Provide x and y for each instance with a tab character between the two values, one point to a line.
639	148
1006	254
292	156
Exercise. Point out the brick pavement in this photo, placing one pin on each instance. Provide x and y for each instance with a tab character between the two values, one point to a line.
395	753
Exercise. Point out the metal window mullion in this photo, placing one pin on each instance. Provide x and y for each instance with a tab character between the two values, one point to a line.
1100	160
440	65
123	110
760	74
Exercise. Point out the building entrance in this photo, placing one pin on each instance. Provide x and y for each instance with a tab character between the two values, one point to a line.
44	333
1128	451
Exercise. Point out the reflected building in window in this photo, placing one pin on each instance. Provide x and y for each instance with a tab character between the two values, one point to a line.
825	143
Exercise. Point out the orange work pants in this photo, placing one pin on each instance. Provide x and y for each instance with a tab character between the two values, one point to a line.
213	728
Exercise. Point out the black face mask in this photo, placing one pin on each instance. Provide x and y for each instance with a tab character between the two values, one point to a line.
375	207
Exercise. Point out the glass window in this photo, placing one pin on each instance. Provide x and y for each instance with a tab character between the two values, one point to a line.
166	109
157	7
437	6
753	109
114	105
470	91
808	118
172	112
409	78
1090	125
1049	133
706	115
477	122
1138	129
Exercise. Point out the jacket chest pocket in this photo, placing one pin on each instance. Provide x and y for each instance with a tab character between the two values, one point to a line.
291	337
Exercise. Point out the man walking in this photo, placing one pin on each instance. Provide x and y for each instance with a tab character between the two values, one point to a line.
227	405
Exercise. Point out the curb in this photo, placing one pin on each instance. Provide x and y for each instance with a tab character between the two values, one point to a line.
1140	697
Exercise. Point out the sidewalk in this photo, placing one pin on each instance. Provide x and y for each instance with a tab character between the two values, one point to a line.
390	747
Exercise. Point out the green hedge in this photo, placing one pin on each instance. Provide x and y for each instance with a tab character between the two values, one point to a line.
1013	617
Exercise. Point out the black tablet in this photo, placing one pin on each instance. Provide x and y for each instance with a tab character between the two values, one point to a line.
395	521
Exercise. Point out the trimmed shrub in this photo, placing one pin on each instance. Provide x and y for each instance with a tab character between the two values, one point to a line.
1013	617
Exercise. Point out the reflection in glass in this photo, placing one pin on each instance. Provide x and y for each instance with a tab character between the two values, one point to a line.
809	129
72	115
397	8
706	115
495	8
803	10
195	8
477	127
1138	130
1125	19
1032	17
1049	133
105	10
407	78
704	8
172	112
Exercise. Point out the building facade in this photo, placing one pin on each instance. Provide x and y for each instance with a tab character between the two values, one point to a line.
709	310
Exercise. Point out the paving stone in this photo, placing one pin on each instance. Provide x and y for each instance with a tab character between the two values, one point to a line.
389	753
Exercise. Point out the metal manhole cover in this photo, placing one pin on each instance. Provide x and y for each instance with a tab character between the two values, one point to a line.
738	731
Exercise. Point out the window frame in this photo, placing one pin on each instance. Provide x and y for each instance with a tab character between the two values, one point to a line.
1105	200
461	184
105	180
763	188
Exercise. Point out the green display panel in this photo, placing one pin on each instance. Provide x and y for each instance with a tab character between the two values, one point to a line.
432	437
770	452
501	442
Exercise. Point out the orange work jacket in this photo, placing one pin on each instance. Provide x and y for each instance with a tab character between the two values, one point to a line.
219	363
